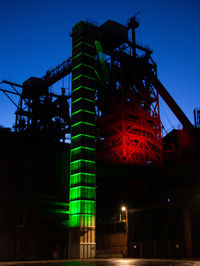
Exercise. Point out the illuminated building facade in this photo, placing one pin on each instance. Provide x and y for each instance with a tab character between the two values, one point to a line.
115	125
83	152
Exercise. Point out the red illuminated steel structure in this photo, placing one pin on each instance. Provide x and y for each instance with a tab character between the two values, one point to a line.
128	125
132	134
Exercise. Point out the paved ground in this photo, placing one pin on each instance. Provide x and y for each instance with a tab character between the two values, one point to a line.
107	262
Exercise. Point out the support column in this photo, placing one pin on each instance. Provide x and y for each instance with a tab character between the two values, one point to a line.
82	243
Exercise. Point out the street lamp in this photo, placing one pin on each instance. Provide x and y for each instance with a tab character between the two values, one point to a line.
125	209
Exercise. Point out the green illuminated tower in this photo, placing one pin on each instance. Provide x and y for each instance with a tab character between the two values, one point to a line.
83	153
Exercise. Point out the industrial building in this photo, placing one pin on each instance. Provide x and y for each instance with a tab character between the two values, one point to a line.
79	155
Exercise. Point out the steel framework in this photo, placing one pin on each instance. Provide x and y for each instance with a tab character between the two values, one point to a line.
128	124
127	104
115	114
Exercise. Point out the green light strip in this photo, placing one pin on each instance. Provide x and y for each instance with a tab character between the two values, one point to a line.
83	187
82	147
84	135
83	200
87	88
84	77
82	98
83	110
82	54
82	184
81	173
81	122
83	43
82	65
82	160
83	214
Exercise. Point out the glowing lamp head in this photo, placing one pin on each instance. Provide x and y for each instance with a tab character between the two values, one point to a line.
123	208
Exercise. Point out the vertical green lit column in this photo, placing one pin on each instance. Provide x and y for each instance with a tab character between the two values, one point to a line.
83	152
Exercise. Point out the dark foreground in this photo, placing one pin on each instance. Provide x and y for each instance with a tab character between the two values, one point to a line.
105	262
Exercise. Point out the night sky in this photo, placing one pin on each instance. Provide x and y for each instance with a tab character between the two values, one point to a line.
35	37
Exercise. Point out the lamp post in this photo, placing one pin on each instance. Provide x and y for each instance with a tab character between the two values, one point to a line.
125	209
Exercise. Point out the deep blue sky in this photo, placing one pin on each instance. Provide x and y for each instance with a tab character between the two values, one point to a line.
35	36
